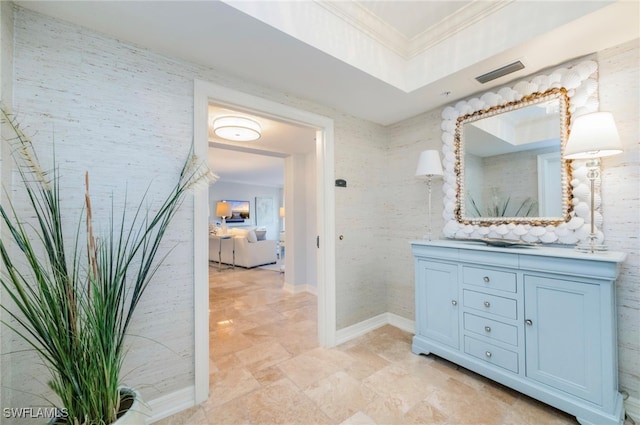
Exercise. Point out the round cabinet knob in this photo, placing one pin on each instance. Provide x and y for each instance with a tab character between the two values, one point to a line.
454	302
488	353
486	279
529	322
487	304
487	328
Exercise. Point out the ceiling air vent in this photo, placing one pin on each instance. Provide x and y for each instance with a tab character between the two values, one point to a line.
500	72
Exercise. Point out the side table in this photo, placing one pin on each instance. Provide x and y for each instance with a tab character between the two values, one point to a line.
220	238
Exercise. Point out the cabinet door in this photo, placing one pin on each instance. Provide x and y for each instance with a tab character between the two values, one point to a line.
562	334
437	301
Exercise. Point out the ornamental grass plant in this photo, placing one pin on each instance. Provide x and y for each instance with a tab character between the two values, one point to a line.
74	297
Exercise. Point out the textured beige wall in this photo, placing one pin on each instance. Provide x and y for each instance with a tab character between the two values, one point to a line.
361	215
6	83
125	116
619	86
406	205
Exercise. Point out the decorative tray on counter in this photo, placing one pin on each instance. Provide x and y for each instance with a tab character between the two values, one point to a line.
502	243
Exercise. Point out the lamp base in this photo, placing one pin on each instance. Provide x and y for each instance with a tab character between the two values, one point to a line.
223	227
591	248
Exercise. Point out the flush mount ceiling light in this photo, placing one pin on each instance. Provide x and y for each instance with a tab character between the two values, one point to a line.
238	129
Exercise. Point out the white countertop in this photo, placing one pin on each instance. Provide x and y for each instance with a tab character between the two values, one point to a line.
539	250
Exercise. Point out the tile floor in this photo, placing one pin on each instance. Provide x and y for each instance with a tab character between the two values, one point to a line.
267	368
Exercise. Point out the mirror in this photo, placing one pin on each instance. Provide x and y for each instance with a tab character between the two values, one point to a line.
510	161
504	176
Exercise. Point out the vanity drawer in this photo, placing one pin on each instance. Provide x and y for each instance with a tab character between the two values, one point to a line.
491	329
492	304
487	278
491	354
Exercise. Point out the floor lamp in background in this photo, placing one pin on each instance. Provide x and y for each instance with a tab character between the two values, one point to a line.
592	137
223	210
429	165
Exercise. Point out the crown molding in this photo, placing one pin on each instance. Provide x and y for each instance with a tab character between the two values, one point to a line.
464	17
361	19
366	22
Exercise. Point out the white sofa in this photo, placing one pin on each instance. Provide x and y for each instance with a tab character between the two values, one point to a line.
249	251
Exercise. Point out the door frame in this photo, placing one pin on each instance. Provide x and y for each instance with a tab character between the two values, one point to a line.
205	92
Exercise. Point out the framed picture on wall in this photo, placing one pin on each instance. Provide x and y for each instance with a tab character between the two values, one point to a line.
240	212
264	211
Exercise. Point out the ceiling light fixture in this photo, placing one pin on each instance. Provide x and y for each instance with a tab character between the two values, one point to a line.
237	129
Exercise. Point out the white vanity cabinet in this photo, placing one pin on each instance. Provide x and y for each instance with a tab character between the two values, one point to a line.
541	320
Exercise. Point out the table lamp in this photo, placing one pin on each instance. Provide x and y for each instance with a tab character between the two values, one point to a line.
429	165
592	137
223	209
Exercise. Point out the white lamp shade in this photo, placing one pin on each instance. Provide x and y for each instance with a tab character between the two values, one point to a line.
593	136
237	129
429	164
223	209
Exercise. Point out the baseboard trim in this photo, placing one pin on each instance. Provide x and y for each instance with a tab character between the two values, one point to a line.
171	404
402	323
632	408
350	332
296	289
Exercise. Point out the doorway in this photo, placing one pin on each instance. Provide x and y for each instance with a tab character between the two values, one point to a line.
279	164
204	93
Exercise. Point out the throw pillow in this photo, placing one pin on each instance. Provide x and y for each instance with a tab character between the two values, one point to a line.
261	234
251	236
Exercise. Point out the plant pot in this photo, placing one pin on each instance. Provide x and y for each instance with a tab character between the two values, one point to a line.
135	411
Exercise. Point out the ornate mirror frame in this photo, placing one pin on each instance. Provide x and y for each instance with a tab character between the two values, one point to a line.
562	131
579	82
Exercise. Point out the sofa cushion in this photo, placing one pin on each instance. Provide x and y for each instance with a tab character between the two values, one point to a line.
235	231
261	234
251	236
238	250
